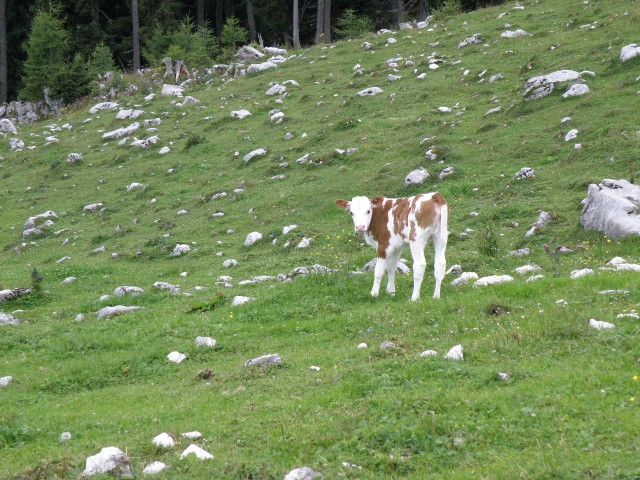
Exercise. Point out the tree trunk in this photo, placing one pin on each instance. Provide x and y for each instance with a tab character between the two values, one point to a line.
135	29
3	51
219	19
327	21
296	29
251	22
199	13
94	7
422	11
396	13
319	21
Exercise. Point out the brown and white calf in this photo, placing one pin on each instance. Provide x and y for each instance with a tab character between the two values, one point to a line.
390	224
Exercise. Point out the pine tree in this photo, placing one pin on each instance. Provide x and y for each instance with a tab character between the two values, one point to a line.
46	49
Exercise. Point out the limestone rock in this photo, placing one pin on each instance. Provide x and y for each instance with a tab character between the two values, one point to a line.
612	207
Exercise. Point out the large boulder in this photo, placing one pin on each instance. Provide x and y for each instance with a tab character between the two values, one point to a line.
612	207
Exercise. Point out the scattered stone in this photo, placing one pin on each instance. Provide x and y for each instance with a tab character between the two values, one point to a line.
5	318
74	157
69	280
446	172
248	53
65	437
464	278
153	468
371	91
302	473
362	345
553	77
240	114
110	459
270	359
103	106
5	381
255	153
612	207
416	177
205	342
194	435
252	238
130	113
172	90
7	126
525	172
176	357
598	325
428	353
193	449
15	144
455	353
367	45
240	300
523	270
107	312
503	376
492	280
127	290
513	34
260	67
581	273
571	135
520	252
180	249
121	132
164	440
387	345
576	90
629	51
472	40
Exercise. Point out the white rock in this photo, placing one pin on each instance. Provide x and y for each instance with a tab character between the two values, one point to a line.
616	261
252	238
289	228
276	89
171	90
304	243
205	342
93	207
502	376
464	278
65	436
74	157
634	267
259	67
7	126
110	459
386	345
153	468
69	280
527	269
571	135
193	449
121	132
103	106
275	51
127	290
444	109
576	90
240	114
513	34
130	113
416	177
455	353
164	440
362	345
371	91
229	263
107	312
428	353
629	51
180	249
612	207
492	280
5	381
598	325
176	357
581	273
255	153
163	151
269	359
194	435
134	185
303	473
240	300
314	368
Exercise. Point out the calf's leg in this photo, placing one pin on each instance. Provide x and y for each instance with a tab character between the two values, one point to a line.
392	266
419	264
381	265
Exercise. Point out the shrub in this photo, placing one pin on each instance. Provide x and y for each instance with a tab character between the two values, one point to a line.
352	25
232	35
73	81
448	8
101	61
487	240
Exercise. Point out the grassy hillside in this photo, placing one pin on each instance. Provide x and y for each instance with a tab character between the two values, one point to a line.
569	408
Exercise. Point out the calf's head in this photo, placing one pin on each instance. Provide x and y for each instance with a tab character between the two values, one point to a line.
360	209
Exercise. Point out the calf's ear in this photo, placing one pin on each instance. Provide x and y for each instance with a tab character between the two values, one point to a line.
342	204
377	201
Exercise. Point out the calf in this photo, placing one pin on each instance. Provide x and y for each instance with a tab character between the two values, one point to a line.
390	224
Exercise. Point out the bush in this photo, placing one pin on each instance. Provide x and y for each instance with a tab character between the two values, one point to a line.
448	8
487	240
101	61
352	25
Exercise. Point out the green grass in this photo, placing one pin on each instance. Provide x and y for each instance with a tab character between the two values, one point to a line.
566	409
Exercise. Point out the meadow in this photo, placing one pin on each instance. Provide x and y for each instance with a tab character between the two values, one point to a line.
568	407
